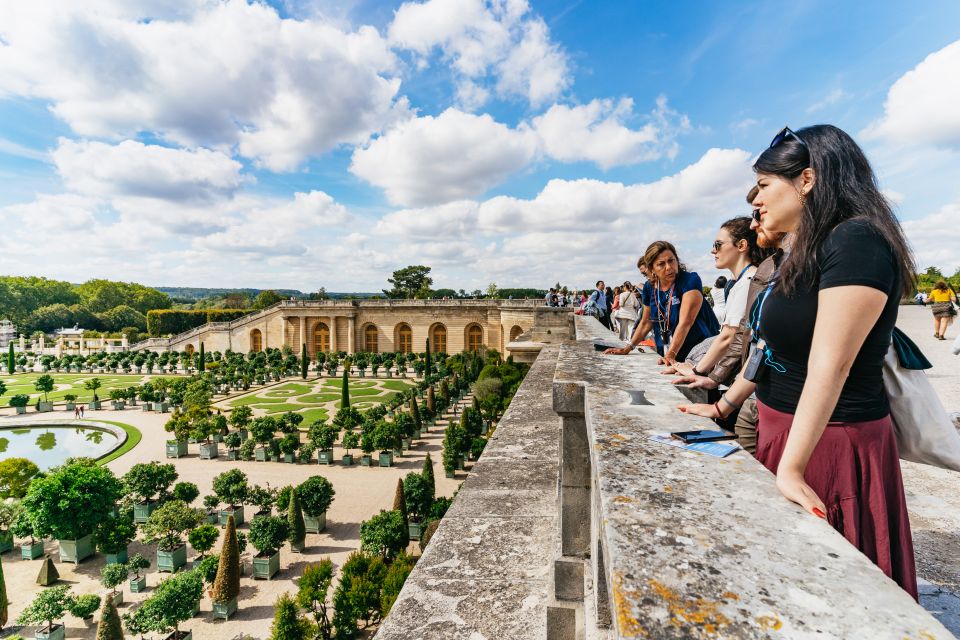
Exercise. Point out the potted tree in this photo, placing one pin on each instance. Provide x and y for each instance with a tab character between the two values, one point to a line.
203	430
146	483
22	528
323	436
418	496
267	535
174	601
264	498
49	605
262	430
212	514
226	586
8	515
289	444
113	535
44	384
316	494
69	502
202	540
92	385
350	441
166	527
71	399
233	440
179	426
386	436
367	445
232	489
112	576
186	491
84	606
117	398
20	402
240	420
137	564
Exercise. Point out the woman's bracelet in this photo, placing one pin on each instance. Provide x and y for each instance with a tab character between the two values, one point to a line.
727	400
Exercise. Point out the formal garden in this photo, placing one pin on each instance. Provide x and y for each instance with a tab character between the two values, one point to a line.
212	545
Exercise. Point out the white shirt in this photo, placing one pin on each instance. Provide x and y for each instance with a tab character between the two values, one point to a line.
736	303
719	303
628	306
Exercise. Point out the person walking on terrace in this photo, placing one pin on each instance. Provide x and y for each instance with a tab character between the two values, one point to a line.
943	311
828	315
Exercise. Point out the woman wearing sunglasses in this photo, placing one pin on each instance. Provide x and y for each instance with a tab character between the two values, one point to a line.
821	330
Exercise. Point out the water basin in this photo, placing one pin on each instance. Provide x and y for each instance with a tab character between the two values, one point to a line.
50	445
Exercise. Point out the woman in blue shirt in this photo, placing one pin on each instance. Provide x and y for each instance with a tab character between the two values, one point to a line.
673	307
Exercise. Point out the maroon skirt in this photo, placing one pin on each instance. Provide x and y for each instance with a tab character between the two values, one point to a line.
855	470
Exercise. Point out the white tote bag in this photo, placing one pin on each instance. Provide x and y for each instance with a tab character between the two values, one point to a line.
925	433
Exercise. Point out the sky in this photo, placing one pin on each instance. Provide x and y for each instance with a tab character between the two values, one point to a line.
307	144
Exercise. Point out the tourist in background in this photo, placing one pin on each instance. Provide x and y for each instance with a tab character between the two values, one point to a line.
628	310
608	318
674	307
828	315
719	297
596	304
942	308
615	309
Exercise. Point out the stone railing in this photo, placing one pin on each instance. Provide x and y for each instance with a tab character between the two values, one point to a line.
581	527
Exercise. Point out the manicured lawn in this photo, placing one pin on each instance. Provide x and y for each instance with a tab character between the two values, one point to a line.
69	383
133	439
396	385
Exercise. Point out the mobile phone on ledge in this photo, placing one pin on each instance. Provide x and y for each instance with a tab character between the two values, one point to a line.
703	435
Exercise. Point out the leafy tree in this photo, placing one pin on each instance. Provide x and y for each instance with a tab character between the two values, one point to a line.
185	491
263	497
298	530
357	596
400	505
169	522
45	384
287	623
231	487
266	299
350	441
313	587
84	606
138	563
113	575
121	316
267	534
226	587
397	574
203	538
316	494
173	602
384	534
109	626
114	534
49	605
92	385
15	477
418	497
240	417
72	499
410	282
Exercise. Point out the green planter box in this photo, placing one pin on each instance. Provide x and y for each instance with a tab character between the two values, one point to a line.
76	551
119	405
94	404
459	463
366	460
405	444
176	448
386	458
325	456
233	454
71	406
274	458
146	407
266	568
117	598
209	450
298	547
44	407
213	517
414	530
120	557
289	458
236	512
315	524
31	551
244	434
58	632
224	609
398	453
180	635
162	407
346	460
138	585
449	474
21	410
171	561
6	541
142	511
260	454
416	434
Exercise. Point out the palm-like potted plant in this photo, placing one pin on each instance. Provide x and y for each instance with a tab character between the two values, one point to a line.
166	527
316	494
137	564
112	576
350	441
232	489
49	605
267	535
92	385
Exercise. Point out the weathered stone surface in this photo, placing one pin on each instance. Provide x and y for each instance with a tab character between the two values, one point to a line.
698	547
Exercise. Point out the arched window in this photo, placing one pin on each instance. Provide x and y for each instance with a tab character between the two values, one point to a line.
474	337
515	332
189	349
370	340
404	339
438	339
321	337
256	340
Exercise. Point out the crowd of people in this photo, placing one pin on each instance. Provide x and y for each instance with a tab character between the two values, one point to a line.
815	277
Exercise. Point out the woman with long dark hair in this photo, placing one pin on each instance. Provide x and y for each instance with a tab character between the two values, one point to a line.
674	307
827	316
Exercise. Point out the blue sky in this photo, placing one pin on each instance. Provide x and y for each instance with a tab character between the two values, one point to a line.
308	144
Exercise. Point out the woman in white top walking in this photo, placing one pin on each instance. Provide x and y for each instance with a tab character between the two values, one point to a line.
627	313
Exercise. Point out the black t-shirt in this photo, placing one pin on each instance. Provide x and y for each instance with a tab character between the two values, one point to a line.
853	254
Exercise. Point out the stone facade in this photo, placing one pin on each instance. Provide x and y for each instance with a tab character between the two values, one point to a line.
367	325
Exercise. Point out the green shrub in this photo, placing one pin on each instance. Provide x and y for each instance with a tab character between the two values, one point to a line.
85	606
316	494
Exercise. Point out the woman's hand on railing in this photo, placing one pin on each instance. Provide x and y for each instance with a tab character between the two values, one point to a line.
697	382
794	488
705	410
618	351
678	368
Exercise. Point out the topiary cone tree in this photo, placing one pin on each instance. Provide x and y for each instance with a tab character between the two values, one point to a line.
304	362
400	504
4	601
345	392
109	626
226	587
427	473
298	529
429	366
201	360
11	360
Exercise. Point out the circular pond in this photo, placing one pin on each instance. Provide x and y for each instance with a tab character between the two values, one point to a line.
48	445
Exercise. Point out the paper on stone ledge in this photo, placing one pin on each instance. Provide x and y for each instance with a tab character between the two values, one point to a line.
715	449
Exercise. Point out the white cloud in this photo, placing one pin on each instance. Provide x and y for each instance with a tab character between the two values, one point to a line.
921	106
596	132
499	42
230	73
832	98
431	160
935	237
134	169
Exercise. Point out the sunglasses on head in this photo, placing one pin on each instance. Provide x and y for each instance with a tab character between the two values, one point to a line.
785	133
756	215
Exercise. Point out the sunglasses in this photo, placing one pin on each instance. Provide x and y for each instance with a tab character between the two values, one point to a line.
756	216
785	133
719	243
